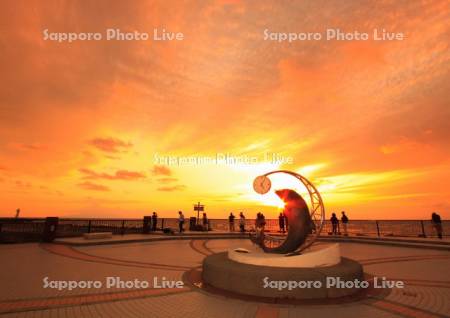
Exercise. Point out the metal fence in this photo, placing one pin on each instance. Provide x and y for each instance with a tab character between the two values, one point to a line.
76	227
407	228
31	228
21	225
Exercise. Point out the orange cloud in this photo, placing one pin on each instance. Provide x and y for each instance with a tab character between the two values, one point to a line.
179	187
110	144
167	180
161	171
93	186
28	147
118	175
22	184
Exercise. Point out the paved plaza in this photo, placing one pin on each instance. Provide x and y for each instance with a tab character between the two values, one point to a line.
23	268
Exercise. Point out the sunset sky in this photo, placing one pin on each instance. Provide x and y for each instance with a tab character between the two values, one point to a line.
82	123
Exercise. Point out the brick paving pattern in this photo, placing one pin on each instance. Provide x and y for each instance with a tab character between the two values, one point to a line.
23	267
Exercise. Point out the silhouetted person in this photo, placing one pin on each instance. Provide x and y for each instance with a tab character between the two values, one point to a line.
154	221
260	223
257	220
334	223
231	222
17	213
286	222
437	223
242	222
205	222
281	219
181	221
344	220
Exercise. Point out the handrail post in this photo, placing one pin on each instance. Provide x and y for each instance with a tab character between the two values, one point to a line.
162	225
423	229
123	227
378	228
89	226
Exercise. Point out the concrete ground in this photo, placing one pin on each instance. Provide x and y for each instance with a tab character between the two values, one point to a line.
23	268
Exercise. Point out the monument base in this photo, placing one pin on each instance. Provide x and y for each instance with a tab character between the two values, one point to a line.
319	255
277	282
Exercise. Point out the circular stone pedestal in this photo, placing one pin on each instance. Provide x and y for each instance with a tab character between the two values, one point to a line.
268	281
319	255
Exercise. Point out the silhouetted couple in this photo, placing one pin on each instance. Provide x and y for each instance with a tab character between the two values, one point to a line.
335	224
